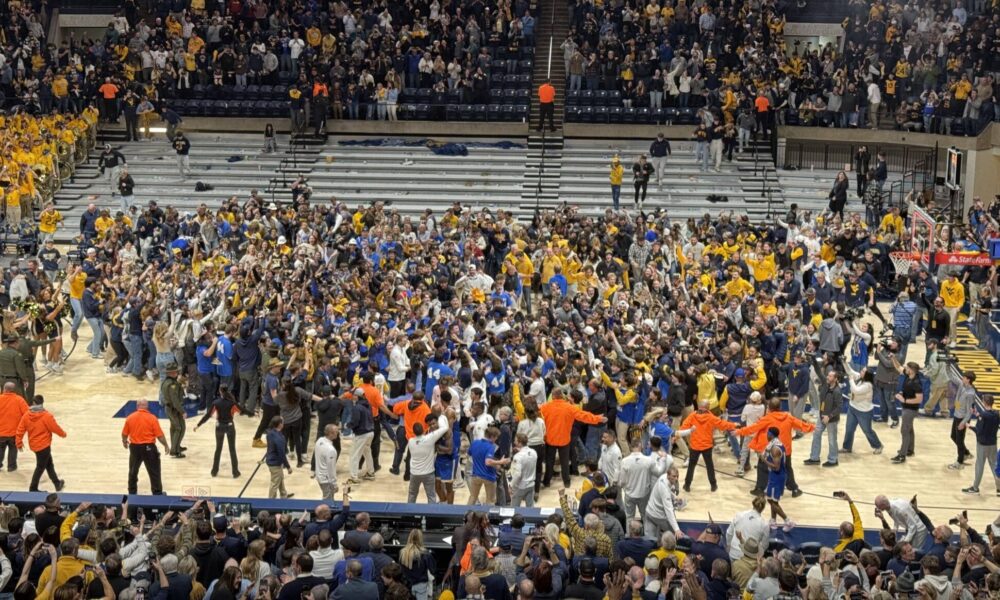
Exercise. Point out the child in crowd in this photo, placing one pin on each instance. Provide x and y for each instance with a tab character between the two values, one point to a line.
752	413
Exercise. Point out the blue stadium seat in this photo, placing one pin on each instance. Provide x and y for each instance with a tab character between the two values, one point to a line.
615	114
198	91
587	114
686	116
422	112
670	114
498	66
586	98
451	112
279	92
238	92
614	98
511	82
525	66
453	97
497	81
424	95
251	92
493	112
572	97
601	114
285	77
524	81
404	112
810	551
266	91
509	96
656	115
259	109
409	95
277	108
630	115
642	115
523	96
479	112
572	114
521	112
508	113
527	51
600	97
465	112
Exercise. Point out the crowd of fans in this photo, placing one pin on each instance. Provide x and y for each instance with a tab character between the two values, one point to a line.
113	552
340	59
922	66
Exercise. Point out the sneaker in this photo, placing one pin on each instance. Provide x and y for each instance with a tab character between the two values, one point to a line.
955	466
894	425
899	459
811	461
368	477
796	492
774	524
740	472
60	485
788	526
970	490
877	451
846	451
831	464
353	481
259	444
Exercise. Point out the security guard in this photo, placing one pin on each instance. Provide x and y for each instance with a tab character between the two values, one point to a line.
172	394
26	347
12	366
139	436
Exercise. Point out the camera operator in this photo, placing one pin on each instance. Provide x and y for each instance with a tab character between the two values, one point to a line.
936	370
887	378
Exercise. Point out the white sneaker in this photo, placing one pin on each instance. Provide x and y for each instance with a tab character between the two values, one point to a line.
774	524
789	525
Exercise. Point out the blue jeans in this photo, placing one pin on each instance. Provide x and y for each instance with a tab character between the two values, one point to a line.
162	360
616	194
94	347
884	396
857	418
150	354
593	442
735	441
77	307
134	345
817	442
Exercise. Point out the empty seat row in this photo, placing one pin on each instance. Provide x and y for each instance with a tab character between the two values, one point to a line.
498	96
593	98
230	108
464	112
619	114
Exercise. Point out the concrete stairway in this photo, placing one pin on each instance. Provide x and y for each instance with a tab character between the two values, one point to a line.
551	25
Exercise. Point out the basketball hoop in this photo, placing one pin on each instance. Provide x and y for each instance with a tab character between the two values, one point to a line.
902	261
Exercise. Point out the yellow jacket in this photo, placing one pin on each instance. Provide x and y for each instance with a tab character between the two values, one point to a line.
892	224
859	531
67	567
739	287
617	171
764	268
953	293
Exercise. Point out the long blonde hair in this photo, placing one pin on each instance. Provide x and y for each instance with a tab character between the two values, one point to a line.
413	549
250	565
